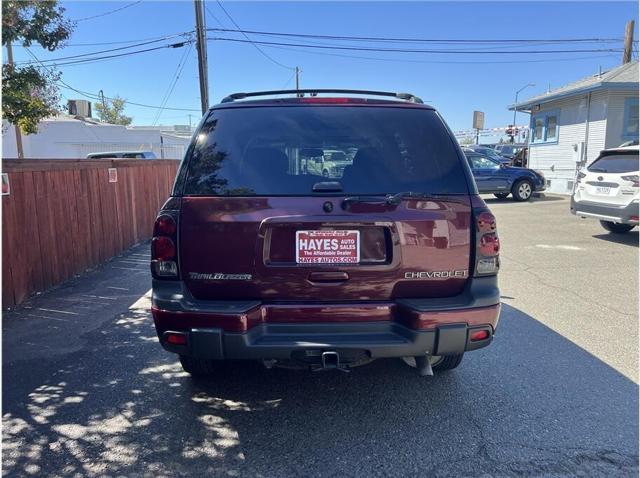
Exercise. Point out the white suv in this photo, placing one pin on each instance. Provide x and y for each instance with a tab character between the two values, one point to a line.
607	189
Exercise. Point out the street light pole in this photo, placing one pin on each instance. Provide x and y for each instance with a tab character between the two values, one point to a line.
515	107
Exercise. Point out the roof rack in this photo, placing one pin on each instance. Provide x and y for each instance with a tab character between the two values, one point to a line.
400	96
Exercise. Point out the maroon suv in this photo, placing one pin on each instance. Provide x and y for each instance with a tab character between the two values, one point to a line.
269	250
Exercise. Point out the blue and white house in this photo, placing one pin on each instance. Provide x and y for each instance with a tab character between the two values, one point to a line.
570	125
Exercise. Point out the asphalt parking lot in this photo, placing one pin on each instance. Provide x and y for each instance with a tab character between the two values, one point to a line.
87	390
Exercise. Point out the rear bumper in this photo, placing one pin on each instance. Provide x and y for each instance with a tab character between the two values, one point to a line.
254	330
625	214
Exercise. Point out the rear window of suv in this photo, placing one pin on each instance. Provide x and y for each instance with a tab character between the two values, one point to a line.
285	150
615	163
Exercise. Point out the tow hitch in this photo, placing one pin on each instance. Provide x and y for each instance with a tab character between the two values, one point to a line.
330	361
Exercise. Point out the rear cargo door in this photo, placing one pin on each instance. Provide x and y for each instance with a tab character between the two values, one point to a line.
258	221
261	249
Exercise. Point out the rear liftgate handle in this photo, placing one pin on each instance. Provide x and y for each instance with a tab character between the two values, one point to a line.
328	277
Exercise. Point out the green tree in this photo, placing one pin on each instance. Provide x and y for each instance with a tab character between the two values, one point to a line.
112	111
30	93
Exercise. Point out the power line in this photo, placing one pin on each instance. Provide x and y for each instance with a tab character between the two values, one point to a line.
110	12
494	46
249	39
121	42
72	57
96	97
454	62
418	40
106	57
289	80
214	17
172	85
417	50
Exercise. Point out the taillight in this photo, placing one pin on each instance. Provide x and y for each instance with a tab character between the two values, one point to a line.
163	248
581	176
165	225
487	243
164	253
634	179
479	335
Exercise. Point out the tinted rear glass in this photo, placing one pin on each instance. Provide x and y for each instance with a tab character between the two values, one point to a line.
615	163
285	150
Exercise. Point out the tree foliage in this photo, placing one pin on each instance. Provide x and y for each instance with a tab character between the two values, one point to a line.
112	111
30	93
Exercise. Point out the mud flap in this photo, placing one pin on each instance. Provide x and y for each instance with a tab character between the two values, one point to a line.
451	339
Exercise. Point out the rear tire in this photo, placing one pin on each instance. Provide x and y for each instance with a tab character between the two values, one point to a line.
616	228
198	367
522	190
501	195
447	362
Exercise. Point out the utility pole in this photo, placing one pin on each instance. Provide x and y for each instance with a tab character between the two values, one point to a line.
297	80
628	42
201	43
17	128
104	103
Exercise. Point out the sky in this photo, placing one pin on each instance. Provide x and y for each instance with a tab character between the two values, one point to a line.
456	84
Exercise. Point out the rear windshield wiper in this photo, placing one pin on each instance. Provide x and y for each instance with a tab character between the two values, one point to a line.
598	170
398	197
389	199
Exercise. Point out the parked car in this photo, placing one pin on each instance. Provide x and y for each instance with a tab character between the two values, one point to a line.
489	152
123	155
500	180
328	164
608	190
509	150
255	258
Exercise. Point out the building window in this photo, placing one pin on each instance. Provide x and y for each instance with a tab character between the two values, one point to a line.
545	127
630	127
552	128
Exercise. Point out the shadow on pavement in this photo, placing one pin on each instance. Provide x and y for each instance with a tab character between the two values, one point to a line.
533	403
629	239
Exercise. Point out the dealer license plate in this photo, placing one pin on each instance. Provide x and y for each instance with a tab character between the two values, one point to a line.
327	247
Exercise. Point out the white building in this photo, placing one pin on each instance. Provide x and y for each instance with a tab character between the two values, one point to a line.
572	124
73	137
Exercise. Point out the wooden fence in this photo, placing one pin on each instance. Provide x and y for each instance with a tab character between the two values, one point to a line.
64	216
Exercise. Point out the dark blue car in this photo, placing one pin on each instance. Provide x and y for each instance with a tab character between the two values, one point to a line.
501	180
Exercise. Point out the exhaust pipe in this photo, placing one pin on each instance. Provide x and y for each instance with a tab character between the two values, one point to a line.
424	366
